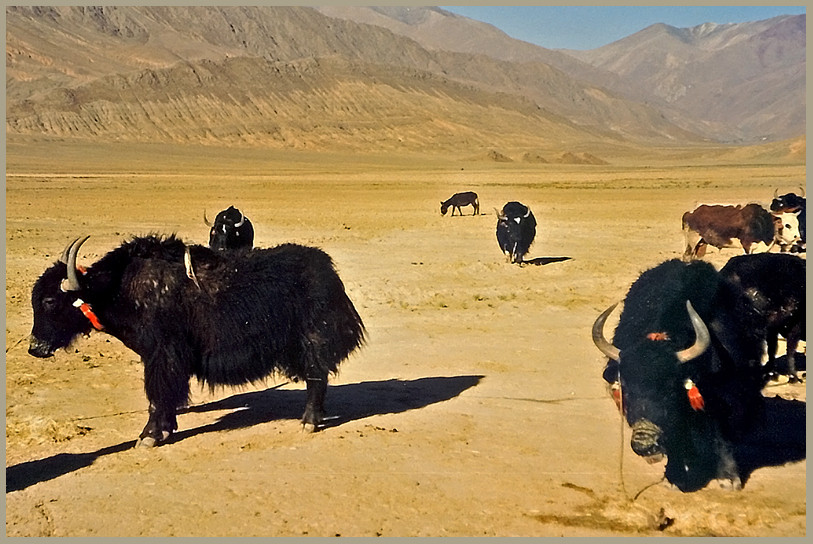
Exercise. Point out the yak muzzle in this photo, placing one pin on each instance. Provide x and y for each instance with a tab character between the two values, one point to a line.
40	349
646	440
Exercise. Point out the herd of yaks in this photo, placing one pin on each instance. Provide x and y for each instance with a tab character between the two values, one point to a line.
755	228
685	365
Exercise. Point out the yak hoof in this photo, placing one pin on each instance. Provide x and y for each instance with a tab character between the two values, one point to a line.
309	427
151	442
730	484
146	442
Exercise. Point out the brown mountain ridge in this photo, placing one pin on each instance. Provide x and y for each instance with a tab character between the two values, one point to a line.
294	77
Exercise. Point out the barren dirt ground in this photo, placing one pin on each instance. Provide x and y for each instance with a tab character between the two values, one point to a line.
477	407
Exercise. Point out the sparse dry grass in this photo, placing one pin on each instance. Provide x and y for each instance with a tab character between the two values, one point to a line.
531	450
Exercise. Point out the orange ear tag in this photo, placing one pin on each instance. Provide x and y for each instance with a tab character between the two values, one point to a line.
695	398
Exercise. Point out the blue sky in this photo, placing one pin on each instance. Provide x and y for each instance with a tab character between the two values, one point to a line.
588	27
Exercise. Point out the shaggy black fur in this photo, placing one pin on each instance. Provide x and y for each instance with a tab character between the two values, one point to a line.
250	314
231	230
515	231
728	376
775	285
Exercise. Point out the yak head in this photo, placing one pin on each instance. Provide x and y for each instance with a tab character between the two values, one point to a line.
231	230
790	202
516	228
661	403
58	306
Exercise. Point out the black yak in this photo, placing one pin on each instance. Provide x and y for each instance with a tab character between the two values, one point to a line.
469	198
686	354
516	229
775	285
189	311
231	230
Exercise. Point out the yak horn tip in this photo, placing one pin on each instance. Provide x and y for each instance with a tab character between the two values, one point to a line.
601	342
702	336
72	280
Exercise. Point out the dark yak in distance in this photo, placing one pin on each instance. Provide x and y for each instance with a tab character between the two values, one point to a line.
190	311
516	229
686	354
231	230
469	198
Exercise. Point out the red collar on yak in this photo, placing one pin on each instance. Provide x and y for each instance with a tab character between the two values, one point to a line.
85	308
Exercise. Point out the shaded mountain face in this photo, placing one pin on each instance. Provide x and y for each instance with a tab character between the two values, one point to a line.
294	77
734	82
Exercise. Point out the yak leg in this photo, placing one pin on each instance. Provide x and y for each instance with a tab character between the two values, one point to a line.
167	389
316	381
315	405
700	249
793	338
728	474
771	342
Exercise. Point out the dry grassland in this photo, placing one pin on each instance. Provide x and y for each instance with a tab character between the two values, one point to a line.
477	407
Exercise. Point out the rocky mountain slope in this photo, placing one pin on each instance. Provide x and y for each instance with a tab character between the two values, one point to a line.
734	82
295	77
741	81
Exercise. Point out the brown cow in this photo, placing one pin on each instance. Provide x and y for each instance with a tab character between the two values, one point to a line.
719	226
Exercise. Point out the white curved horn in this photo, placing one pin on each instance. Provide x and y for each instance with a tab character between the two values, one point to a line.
600	340
702	341
72	283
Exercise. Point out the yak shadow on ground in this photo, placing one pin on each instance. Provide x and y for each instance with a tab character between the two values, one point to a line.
779	439
542	261
344	403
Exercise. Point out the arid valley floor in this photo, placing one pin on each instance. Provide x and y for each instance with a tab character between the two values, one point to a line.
477	406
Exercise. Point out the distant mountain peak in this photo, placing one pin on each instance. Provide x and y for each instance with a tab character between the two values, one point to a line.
409	15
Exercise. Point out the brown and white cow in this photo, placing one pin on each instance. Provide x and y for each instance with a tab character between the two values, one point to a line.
754	227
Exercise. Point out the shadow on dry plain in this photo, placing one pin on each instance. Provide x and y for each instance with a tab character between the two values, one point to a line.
542	261
345	403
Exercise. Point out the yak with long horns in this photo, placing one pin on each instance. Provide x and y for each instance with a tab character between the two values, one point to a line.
686	358
191	311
